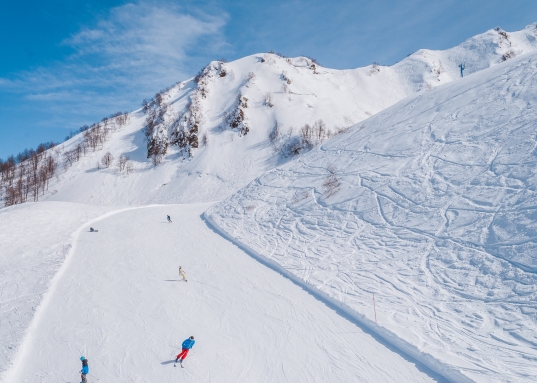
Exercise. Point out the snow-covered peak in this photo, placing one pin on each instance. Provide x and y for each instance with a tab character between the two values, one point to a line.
475	54
204	138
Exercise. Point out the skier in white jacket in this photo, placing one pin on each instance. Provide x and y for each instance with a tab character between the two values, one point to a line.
182	274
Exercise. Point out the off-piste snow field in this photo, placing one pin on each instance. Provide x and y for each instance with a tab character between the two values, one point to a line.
119	301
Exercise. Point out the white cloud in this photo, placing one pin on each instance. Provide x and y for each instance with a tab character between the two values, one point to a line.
136	50
146	40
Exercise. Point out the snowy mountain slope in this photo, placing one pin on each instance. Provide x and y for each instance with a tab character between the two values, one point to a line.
431	206
33	239
287	93
212	132
120	302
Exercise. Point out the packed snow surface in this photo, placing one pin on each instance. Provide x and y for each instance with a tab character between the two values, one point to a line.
34	239
431	206
119	301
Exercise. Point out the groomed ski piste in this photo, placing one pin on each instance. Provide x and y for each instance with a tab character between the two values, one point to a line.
430	208
119	301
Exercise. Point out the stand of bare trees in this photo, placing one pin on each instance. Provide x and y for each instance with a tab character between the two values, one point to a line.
28	174
28	178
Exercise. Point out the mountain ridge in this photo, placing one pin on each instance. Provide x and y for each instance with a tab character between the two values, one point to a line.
209	125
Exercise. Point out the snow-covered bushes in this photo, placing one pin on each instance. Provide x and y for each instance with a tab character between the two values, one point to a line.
437	70
155	132
268	100
237	118
251	78
206	74
267	58
284	77
508	55
503	37
275	133
309	136
184	131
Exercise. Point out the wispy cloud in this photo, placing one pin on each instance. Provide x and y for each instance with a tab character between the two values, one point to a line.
135	50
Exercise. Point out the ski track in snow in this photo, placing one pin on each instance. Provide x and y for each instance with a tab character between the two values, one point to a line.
119	301
435	214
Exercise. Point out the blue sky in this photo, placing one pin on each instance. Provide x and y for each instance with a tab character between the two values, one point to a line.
67	63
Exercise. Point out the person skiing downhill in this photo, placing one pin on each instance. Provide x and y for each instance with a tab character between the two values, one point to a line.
85	369
182	274
169	219
186	346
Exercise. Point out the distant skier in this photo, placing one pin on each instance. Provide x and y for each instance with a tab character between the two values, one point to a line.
182	274
92	230
463	67
85	369
169	219
186	346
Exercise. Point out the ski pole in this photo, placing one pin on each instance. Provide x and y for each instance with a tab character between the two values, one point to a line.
93	376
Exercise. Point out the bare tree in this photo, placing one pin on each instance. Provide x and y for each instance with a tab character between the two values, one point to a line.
129	167
156	159
331	183
275	133
284	77
70	157
306	132
121	162
320	131
268	100
107	159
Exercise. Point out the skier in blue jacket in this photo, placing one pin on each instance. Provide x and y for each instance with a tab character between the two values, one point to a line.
85	369
186	346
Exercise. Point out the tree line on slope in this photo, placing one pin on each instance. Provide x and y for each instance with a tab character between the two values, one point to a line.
28	174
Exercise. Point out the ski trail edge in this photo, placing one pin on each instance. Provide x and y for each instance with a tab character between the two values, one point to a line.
13	371
423	361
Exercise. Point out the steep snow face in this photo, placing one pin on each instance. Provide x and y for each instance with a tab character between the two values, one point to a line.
213	134
431	206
